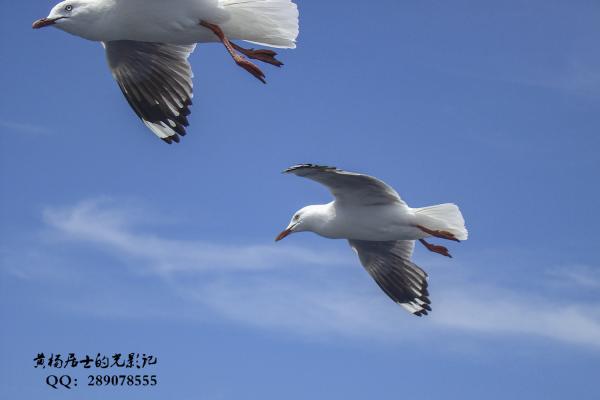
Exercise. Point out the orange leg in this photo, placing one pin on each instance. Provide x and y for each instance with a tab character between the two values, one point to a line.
436	249
266	56
239	59
439	234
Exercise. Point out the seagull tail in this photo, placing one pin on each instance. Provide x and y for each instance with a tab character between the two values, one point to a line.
271	23
444	217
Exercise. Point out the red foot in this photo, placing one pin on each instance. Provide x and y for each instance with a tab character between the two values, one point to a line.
266	56
439	234
435	249
239	59
250	67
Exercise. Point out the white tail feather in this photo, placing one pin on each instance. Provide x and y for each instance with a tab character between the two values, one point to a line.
444	217
267	22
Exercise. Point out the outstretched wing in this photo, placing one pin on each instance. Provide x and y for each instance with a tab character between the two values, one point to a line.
349	187
156	80
390	266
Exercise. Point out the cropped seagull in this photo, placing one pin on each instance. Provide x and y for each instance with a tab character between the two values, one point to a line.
148	43
380	227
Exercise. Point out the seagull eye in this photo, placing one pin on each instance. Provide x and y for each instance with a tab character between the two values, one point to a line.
69	8
296	217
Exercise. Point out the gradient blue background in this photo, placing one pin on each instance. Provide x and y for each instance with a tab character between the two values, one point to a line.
492	105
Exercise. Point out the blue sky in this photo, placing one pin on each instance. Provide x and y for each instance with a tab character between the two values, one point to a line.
112	241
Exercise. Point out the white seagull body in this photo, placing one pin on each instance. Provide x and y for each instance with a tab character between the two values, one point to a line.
380	227
148	43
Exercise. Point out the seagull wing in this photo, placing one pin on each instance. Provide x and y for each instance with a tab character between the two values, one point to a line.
389	265
156	80
349	187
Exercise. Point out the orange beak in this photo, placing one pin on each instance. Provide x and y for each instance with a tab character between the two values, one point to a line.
283	235
40	23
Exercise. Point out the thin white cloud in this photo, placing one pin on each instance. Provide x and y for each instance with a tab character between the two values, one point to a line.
575	77
104	223
499	312
291	289
575	74
23	127
581	276
579	75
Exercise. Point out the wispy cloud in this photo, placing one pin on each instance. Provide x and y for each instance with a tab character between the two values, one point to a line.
104	223
497	312
316	293
581	276
576	76
8	126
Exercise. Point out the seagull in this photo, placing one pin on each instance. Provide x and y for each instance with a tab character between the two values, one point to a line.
148	43
380	227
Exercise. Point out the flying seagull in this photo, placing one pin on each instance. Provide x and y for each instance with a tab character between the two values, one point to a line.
148	43
380	227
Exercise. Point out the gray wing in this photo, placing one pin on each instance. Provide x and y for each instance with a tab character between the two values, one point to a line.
389	265
156	80
349	187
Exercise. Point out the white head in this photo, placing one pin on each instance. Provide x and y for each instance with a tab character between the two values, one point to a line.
310	218
73	16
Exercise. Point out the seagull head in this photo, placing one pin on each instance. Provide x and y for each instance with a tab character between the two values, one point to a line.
70	15
306	219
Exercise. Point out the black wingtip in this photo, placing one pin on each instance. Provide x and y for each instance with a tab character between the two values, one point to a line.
297	167
421	313
172	139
